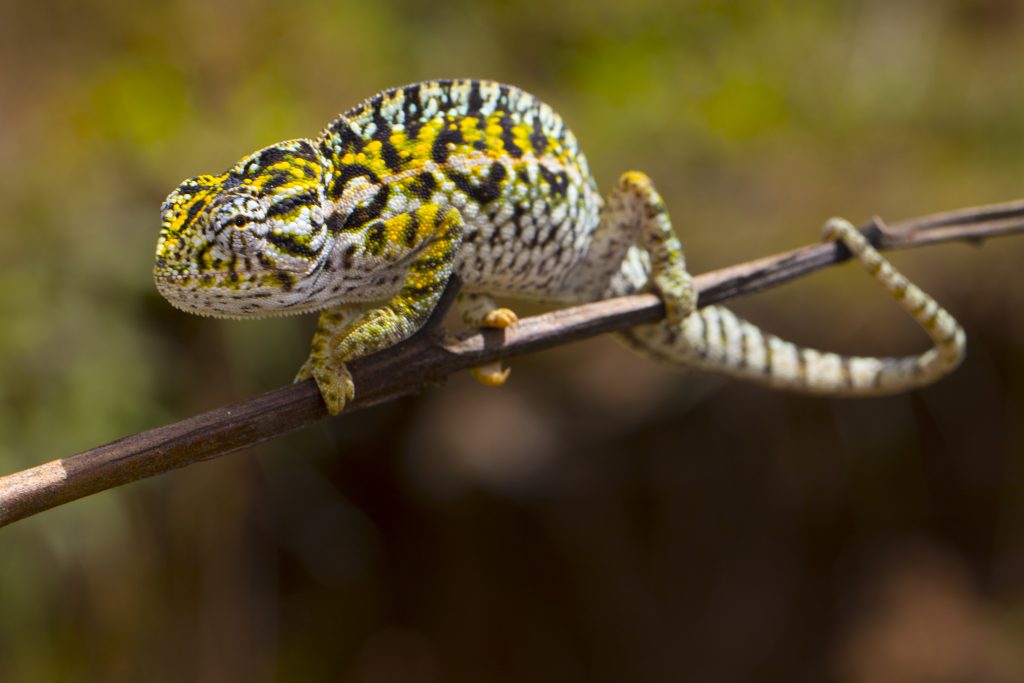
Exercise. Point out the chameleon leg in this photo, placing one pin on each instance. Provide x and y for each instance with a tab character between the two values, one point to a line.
434	237
634	248
479	310
331	375
715	339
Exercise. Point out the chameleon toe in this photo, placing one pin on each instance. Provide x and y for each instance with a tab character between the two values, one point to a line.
500	318
491	374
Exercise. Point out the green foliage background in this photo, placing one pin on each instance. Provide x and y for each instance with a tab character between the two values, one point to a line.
597	518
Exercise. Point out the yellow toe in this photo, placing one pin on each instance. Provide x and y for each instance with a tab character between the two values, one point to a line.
490	375
500	318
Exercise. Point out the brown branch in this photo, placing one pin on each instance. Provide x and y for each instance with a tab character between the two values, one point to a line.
429	357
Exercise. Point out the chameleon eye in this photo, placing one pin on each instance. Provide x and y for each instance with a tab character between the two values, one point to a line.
238	225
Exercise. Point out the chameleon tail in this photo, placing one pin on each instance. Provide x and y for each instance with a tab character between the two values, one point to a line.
715	339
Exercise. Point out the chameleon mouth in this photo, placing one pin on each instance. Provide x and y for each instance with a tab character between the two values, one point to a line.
228	295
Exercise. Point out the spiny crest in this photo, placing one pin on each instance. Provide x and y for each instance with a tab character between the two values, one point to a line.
261	225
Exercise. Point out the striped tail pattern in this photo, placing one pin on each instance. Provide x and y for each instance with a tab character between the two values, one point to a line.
715	339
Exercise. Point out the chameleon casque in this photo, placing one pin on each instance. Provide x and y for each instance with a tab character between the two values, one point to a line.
367	223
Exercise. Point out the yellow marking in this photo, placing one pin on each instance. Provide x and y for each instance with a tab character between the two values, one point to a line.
521	136
394	229
470	127
400	141
421	149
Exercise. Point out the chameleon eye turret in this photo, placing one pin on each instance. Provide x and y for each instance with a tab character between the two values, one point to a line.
368	222
248	242
238	224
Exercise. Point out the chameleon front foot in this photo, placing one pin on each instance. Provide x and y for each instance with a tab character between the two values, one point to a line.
333	380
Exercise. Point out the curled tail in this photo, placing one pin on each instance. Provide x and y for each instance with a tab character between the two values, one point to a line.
715	339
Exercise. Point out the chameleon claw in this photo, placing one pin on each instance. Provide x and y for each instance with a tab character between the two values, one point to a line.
334	382
491	374
500	318
336	387
303	374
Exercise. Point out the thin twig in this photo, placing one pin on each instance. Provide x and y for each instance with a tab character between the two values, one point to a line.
429	357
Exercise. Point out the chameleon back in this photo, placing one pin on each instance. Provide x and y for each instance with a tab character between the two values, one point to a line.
500	156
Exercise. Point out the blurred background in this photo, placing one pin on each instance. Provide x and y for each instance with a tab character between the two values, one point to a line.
598	518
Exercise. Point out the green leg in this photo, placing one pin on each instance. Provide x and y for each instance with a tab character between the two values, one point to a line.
342	336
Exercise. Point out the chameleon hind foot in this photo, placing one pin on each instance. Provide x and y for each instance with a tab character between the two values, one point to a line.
490	375
500	318
479	310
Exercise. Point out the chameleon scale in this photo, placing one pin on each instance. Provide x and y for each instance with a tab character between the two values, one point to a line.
367	222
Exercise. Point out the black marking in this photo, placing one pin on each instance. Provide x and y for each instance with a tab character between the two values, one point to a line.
391	157
445	86
194	210
280	178
288	245
412	227
476	100
201	252
383	126
341	135
411	98
346	172
420	291
373	241
517	220
744	347
336	223
439	152
558	181
538	140
285	280
347	256
523	176
507	138
480	145
482	194
382	135
423	185
290	204
427	264
362	215
271	156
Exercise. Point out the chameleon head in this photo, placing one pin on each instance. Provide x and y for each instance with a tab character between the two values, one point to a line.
249	242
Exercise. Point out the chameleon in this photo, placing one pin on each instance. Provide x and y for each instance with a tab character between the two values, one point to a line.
367	223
